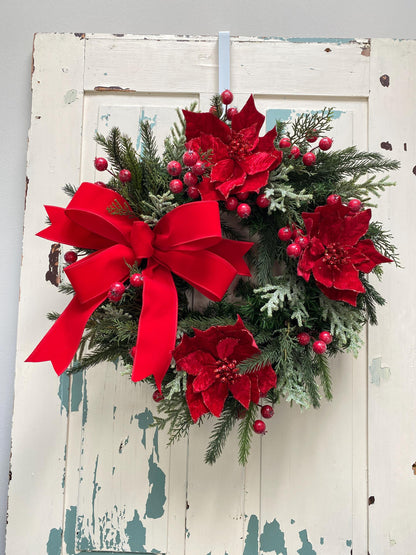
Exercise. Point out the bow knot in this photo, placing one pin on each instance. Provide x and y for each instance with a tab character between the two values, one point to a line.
141	239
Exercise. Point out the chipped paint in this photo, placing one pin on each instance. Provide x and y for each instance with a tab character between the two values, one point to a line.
114	413
123	443
318	40
53	274
70	96
378	372
385	80
386	145
63	392
53	547
94	494
70	525
144	421
157	497
292	521
321	541
306	548
348	543
366	50
76	390
288	115
156	443
136	534
100	88
273	539
251	544
84	404
152	122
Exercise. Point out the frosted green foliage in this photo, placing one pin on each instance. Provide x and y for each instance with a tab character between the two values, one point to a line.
176	385
158	206
286	291
282	196
295	393
345	323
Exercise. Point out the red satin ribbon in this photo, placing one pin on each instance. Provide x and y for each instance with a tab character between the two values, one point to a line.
187	241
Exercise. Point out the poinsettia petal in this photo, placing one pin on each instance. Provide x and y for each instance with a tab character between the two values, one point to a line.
349	297
373	257
266	143
323	273
195	402
249	136
347	277
236	181
195	361
254	183
311	221
205	378
197	123
241	389
316	248
306	262
225	347
247	116
355	227
267	379
208	144
214	397
208	191
223	170
255	391
257	162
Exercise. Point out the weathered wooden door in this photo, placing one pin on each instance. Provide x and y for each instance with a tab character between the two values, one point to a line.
89	474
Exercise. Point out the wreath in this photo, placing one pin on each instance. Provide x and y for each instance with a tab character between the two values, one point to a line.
225	272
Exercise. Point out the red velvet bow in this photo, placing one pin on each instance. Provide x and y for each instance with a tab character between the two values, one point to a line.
187	241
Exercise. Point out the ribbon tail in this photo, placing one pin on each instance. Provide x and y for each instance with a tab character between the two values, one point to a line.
157	325
60	343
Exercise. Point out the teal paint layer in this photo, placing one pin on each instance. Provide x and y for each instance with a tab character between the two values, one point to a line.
76	391
84	404
144	420
94	494
251	545
318	40
156	498
136	534
53	547
156	443
349	543
306	548
63	392
321	541
70	525
378	372
272	539
292	521
287	114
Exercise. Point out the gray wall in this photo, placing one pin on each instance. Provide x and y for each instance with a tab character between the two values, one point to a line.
20	20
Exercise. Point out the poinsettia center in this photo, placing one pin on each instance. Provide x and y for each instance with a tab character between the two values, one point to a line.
226	370
239	148
335	256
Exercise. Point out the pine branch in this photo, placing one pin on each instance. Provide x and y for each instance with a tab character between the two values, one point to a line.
219	434
112	147
69	189
245	433
323	371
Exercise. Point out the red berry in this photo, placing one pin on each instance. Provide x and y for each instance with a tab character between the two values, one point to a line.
213	111
70	257
136	280
259	427
124	176
267	411
190	158
231	203
312	136
198	168
243	210
132	352
262	201
333	199
157	396
294	152
325	143
242	196
190	179
354	205
100	164
176	186
116	291
319	347
100	183
303	338
285	233
293	250
296	231
309	159
326	337
302	240
284	142
231	112
174	168
227	97
193	192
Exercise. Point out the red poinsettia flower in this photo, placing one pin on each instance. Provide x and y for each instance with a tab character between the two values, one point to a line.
211	360
239	160
336	253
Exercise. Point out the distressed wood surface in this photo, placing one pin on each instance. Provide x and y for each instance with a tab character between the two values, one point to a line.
392	345
103	478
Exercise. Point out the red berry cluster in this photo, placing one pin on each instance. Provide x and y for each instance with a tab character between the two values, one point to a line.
309	158
243	208
196	168
117	289
318	346
354	204
259	426
101	165
299	241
